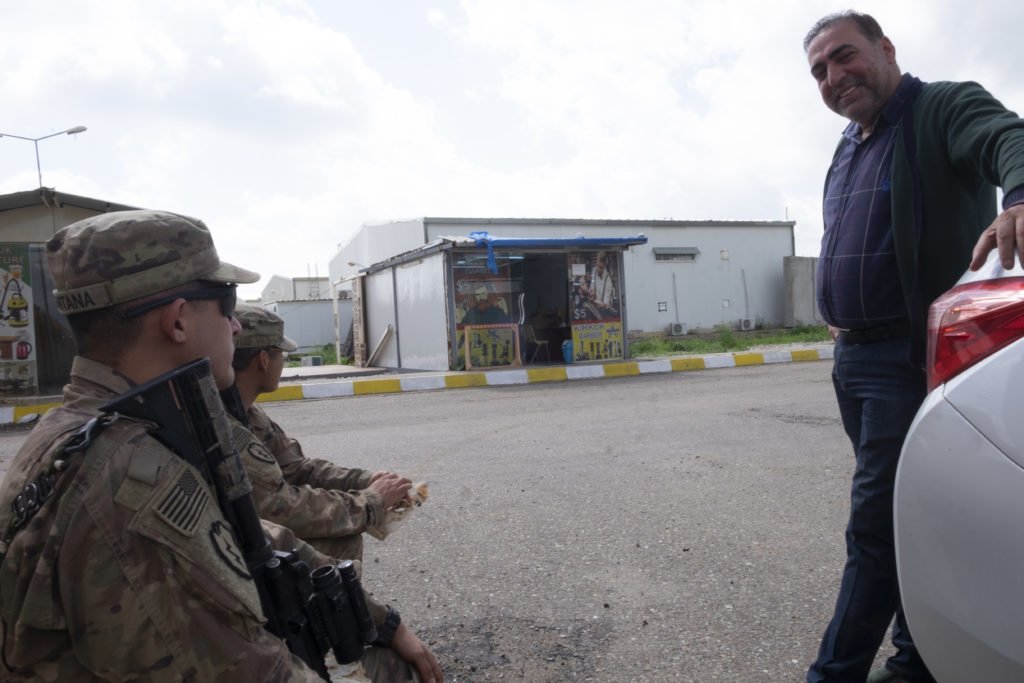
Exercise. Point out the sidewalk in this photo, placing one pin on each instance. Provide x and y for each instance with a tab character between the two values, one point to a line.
335	381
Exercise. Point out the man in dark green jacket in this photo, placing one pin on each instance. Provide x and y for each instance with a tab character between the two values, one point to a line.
911	188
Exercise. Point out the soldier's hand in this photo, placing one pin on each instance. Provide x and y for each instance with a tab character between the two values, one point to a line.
411	649
377	475
391	487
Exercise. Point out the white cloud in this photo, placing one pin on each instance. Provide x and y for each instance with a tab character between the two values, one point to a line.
436	17
286	124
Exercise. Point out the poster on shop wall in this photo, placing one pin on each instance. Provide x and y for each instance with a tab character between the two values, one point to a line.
483	302
595	306
17	334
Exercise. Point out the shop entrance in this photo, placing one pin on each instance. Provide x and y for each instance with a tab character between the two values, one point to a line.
569	297
542	306
536	307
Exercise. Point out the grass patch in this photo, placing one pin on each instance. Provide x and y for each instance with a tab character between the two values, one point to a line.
326	352
724	339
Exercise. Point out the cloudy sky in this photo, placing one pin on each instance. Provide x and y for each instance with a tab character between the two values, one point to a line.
286	124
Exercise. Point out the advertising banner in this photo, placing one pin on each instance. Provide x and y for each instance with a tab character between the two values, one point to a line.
483	301
596	309
596	341
17	335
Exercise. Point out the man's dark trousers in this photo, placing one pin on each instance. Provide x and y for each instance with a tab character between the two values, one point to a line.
879	392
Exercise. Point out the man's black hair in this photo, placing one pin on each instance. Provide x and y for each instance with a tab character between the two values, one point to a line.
866	23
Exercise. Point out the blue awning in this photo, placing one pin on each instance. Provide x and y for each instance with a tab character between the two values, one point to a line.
490	242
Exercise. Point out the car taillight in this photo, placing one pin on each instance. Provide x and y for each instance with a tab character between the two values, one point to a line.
972	321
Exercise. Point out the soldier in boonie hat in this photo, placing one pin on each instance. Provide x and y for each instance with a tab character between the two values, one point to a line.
261	329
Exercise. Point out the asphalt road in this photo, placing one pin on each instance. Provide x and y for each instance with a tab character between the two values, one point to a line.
667	527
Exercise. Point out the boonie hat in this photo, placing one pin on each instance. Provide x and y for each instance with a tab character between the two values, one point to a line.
121	256
260	329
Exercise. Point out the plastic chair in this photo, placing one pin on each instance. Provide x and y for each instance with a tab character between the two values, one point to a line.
538	344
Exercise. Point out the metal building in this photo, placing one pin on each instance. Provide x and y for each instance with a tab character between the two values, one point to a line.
689	276
486	301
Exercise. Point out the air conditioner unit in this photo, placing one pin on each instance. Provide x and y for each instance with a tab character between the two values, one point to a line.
746	324
677	329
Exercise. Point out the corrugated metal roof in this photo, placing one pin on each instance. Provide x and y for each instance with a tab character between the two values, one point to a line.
626	223
483	240
47	196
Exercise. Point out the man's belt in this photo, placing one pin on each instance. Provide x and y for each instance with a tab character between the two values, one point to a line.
878	333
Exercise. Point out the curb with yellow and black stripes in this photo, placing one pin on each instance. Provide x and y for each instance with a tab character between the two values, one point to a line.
394	384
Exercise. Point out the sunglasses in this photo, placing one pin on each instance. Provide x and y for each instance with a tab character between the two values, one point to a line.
223	294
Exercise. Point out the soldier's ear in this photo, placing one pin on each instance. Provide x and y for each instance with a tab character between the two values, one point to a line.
173	323
264	360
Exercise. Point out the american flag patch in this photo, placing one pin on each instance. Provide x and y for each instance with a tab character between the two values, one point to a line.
184	504
240	436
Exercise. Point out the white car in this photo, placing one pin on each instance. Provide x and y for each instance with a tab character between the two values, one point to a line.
959	501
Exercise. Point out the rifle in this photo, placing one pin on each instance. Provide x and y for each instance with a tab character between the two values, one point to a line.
312	611
233	405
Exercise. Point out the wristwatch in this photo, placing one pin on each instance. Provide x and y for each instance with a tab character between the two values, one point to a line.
386	631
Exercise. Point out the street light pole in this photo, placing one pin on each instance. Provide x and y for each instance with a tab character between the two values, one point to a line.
35	141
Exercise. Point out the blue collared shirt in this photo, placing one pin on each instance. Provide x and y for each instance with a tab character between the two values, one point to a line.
858	282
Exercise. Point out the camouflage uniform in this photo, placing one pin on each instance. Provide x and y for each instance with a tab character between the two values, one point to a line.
312	499
326	505
379	664
109	580
128	569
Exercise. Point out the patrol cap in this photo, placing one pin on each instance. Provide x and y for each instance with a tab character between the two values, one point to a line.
121	256
261	328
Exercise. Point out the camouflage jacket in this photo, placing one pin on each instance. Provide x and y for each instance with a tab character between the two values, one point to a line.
276	499
312	497
297	468
128	571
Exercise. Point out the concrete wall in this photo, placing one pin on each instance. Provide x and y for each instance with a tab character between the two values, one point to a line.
38	223
422	314
738	273
280	288
380	313
310	288
374	243
309	323
801	304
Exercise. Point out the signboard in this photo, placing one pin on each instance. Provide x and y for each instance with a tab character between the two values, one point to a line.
17	334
